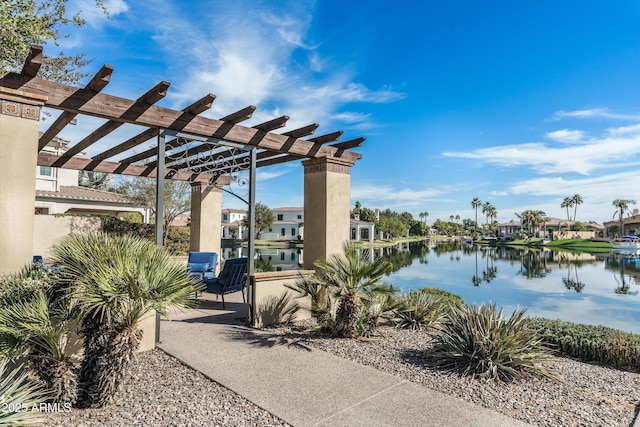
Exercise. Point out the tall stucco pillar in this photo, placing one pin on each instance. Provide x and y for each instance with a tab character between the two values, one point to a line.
327	193
206	218
19	118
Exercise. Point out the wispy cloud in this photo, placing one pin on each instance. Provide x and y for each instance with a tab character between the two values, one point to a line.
567	136
594	113
610	150
245	57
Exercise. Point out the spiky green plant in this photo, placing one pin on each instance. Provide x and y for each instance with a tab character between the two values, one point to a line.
36	317
479	341
117	279
348	279
18	396
421	310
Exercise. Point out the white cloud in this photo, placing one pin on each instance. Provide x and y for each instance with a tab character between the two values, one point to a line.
594	113
94	15
246	57
566	136
606	152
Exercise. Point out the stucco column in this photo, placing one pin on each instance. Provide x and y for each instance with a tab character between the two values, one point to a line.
19	118
327	194
206	218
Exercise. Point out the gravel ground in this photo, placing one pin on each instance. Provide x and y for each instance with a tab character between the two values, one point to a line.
590	395
162	392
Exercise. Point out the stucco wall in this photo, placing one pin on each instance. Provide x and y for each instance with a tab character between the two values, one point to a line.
49	229
271	298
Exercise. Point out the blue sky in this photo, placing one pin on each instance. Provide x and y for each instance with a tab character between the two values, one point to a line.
519	103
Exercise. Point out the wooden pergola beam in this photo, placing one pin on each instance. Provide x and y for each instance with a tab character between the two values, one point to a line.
33	62
141	105
303	131
78	163
274	124
201	105
81	101
99	81
270	158
330	137
352	143
240	115
174	143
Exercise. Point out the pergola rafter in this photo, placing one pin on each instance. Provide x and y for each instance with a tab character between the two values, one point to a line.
272	148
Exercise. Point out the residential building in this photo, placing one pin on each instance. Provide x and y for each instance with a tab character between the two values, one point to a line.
630	225
288	224
233	224
58	192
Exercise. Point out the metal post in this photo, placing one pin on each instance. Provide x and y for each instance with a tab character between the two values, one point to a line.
251	249
160	205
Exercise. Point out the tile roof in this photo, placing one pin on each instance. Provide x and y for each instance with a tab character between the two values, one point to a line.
85	193
288	209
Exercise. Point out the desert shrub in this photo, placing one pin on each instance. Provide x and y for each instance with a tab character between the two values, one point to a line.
36	317
351	281
600	344
445	296
479	341
421	310
19	396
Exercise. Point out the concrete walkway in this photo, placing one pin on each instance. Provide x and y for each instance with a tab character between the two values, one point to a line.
303	386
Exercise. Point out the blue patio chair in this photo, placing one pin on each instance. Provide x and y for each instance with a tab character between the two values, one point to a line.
39	261
231	279
202	264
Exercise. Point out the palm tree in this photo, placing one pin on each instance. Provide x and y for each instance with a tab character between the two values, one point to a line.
423	216
476	203
567	203
351	279
577	200
532	219
488	210
116	280
621	205
36	316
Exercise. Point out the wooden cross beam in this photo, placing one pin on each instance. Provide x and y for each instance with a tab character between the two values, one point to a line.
201	105
97	83
141	105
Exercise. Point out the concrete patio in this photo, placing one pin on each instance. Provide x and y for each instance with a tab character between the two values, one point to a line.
303	386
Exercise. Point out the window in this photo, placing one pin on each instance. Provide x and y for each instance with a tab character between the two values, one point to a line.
282	232
299	216
282	256
280	217
45	170
293	256
225	217
293	232
364	233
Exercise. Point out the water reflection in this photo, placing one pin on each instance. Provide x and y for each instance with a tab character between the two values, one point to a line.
575	286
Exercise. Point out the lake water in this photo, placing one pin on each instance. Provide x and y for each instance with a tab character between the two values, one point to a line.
598	289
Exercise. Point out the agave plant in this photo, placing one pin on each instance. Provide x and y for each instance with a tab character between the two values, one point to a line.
350	279
116	281
36	317
420	310
479	341
18	397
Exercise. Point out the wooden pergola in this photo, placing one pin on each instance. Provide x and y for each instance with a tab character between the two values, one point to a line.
272	148
184	146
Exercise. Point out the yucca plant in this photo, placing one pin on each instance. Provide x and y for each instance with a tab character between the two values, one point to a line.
348	278
18	397
420	310
117	279
479	341
36	317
